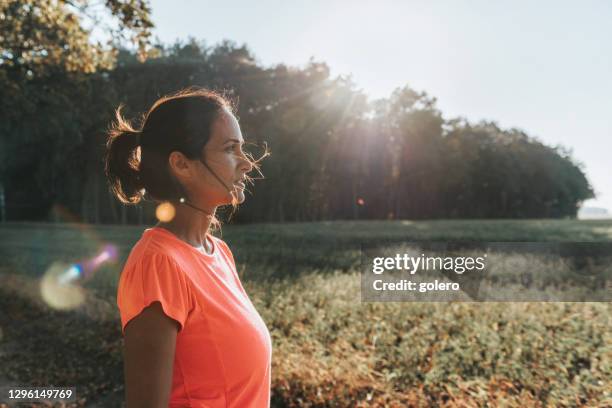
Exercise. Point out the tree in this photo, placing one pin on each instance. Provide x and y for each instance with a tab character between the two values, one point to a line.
48	70
44	36
335	155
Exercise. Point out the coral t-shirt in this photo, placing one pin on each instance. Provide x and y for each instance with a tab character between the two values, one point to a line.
223	347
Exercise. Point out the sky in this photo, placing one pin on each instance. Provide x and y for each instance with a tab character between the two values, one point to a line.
541	66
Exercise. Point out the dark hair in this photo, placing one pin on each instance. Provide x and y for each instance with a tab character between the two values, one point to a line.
136	161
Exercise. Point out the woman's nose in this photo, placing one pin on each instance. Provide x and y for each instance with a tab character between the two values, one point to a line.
246	164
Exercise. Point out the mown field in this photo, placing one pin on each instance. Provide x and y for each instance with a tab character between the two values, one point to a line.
329	348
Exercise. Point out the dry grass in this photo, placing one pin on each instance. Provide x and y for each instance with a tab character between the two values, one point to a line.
329	348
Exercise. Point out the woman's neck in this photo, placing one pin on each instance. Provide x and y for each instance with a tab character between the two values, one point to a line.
191	226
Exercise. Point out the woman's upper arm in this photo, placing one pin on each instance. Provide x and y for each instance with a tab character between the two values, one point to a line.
149	346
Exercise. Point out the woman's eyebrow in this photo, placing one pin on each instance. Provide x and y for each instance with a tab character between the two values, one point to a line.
233	140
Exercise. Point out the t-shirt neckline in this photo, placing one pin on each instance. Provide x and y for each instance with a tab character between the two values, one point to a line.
173	236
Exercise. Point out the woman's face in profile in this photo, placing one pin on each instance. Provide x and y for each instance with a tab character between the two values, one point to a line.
225	158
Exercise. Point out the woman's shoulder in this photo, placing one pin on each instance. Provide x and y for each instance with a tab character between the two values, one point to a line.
152	272
153	246
158	244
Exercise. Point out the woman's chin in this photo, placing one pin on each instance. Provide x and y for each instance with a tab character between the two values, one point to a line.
237	196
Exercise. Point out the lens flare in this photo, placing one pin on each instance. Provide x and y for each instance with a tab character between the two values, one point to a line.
72	273
86	268
58	295
165	212
58	286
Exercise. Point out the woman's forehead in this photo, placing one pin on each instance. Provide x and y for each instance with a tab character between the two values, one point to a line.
225	127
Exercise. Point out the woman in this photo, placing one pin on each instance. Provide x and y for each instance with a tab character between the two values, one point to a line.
192	336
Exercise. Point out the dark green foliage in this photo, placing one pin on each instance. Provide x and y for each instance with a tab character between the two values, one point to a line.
335	155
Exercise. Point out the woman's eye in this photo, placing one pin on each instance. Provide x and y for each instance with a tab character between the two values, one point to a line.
235	147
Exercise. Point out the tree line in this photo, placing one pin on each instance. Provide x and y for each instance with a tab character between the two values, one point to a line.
335	154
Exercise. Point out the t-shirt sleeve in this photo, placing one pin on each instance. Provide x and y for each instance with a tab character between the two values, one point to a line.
154	277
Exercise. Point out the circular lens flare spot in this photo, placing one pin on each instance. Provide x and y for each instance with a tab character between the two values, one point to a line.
56	288
165	212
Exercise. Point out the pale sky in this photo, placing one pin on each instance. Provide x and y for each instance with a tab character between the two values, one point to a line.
542	66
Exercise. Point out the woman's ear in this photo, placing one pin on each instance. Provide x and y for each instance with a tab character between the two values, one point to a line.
179	165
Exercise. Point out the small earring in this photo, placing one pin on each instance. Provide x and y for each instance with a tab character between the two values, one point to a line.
181	200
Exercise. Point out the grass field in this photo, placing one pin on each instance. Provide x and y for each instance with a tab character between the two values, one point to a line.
330	350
